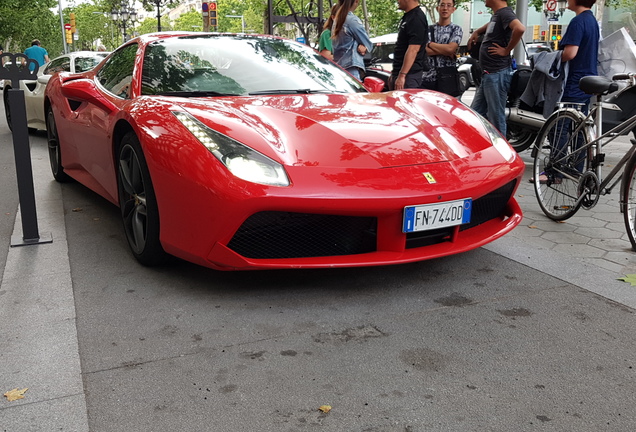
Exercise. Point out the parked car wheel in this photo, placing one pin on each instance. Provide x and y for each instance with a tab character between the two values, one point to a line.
464	82
55	154
138	203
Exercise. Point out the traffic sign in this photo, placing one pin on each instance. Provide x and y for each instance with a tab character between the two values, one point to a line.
551	5
67	26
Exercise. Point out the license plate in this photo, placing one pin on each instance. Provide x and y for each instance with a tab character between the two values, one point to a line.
438	215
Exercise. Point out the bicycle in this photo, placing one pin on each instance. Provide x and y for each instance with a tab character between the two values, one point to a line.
568	155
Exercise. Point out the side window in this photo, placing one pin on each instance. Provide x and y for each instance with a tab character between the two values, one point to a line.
116	75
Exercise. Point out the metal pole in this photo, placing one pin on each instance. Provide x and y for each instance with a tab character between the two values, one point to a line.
24	172
59	4
522	15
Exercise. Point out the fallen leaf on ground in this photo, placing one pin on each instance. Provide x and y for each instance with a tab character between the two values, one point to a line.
630	278
15	394
532	226
325	408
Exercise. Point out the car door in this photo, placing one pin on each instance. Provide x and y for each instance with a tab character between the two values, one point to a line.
94	134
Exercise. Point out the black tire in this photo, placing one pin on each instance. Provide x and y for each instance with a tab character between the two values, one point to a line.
558	197
55	153
519	137
464	82
7	109
628	189
138	204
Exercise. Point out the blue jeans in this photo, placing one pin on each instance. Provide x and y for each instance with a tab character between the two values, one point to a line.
490	98
354	71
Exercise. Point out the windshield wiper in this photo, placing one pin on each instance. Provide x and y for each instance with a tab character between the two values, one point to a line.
198	93
290	91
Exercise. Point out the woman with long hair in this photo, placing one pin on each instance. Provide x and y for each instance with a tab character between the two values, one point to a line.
350	40
325	47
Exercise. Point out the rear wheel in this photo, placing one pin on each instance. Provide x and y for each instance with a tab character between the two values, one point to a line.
629	199
55	153
560	161
138	204
519	137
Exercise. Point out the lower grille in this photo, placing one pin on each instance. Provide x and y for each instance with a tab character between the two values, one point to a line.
490	206
277	235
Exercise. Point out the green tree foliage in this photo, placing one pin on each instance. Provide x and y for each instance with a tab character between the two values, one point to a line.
149	25
189	21
21	21
93	25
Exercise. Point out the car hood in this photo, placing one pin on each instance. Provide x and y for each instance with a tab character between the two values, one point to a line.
355	130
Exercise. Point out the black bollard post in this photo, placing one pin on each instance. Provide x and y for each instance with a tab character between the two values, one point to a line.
22	155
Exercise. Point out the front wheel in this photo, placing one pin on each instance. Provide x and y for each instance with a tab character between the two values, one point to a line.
628	189
561	159
138	204
55	152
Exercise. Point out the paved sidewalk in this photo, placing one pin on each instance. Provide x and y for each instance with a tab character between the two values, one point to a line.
596	237
37	317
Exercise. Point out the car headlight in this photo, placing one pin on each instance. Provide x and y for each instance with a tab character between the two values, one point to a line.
242	161
498	141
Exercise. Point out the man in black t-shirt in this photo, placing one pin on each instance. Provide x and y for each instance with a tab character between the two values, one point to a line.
409	58
502	34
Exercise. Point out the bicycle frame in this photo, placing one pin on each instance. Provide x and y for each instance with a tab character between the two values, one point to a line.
595	118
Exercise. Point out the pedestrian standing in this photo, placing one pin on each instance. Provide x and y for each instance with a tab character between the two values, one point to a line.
325	46
409	58
441	50
579	48
350	40
37	53
501	35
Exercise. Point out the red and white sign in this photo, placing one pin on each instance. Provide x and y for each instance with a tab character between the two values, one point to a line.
67	26
551	5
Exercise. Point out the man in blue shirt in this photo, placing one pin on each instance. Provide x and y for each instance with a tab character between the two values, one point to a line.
580	50
37	53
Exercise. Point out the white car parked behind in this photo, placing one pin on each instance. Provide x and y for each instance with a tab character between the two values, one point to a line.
79	61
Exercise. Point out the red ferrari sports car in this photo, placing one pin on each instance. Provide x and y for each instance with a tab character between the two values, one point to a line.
255	152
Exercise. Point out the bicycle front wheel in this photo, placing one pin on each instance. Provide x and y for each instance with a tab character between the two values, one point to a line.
561	156
628	202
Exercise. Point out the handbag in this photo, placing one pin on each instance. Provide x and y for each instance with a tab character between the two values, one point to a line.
447	76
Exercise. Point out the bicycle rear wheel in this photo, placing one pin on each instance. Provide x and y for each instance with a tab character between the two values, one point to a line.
629	199
560	159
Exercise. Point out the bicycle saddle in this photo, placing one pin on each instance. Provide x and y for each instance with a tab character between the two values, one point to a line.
597	85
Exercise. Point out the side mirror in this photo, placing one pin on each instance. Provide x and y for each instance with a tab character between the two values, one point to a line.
83	90
44	79
373	84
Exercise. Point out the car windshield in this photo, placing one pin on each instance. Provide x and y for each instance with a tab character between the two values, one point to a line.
222	65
